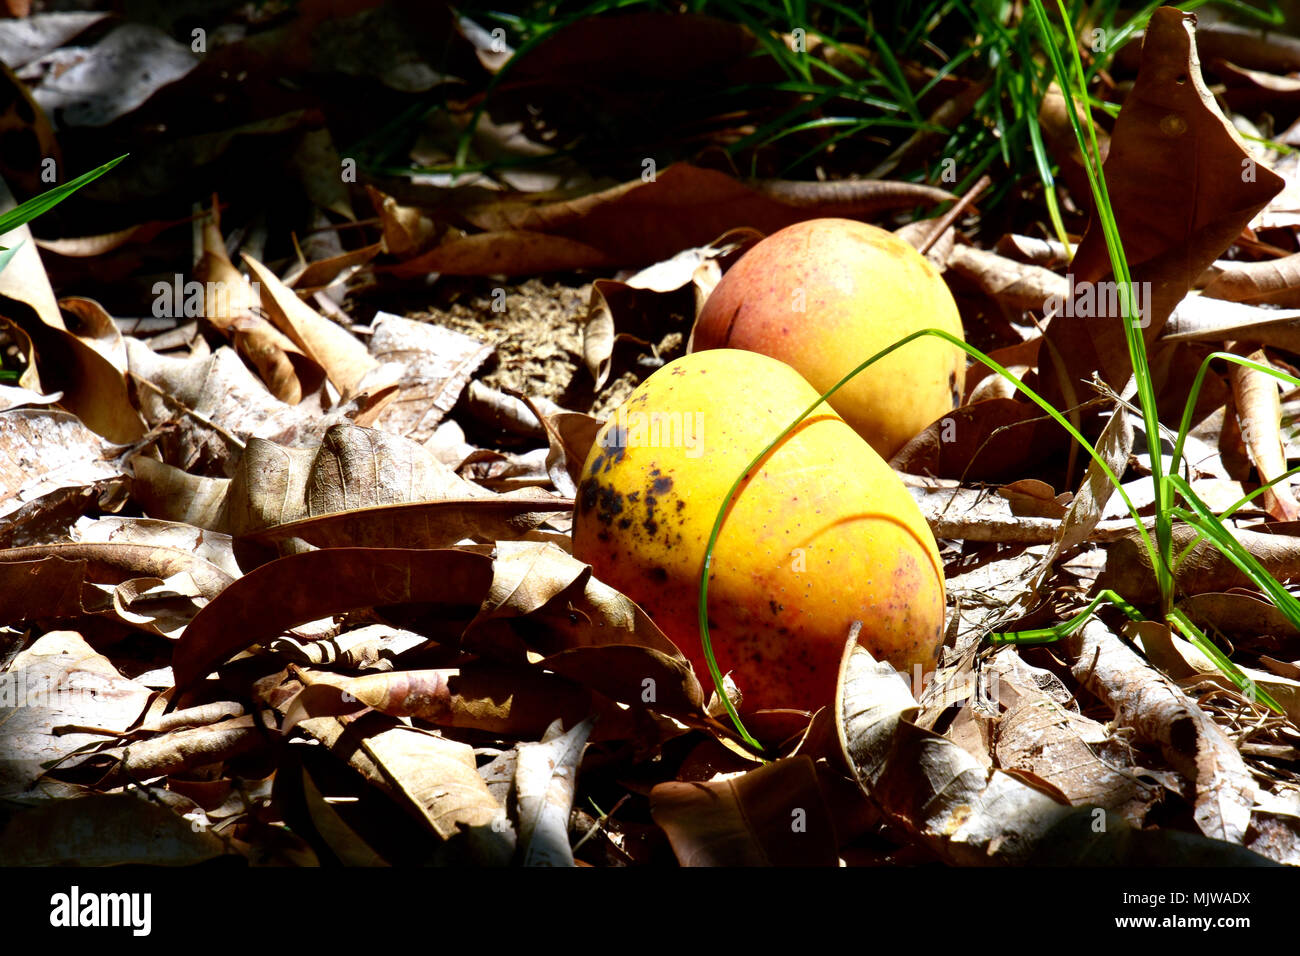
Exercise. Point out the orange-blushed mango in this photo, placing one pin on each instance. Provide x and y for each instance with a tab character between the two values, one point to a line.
822	534
825	295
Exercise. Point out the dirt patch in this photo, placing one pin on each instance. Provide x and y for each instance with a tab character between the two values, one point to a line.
536	328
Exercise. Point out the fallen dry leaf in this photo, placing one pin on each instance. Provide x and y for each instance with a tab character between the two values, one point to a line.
1175	216
1259	416
775	815
306	587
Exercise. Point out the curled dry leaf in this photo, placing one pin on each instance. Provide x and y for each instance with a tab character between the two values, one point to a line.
57	580
588	631
305	587
928	785
509	701
217	399
435	776
775	815
1161	714
651	292
1128	565
169	494
1272	281
1200	319
1016	285
343	357
570	436
172	752
1259	415
1031	498
546	778
232	305
93	387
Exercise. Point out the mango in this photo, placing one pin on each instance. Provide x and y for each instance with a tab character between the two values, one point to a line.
822	534
825	295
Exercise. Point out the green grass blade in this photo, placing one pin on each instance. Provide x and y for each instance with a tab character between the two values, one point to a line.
47	200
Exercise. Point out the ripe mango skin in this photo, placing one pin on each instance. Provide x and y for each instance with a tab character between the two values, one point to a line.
825	295
822	535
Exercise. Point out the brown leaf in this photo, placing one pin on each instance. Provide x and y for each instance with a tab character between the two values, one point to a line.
641	301
343	357
173	752
353	468
508	701
1259	415
216	397
305	587
637	222
962	812
1058	135
518	252
1128	566
1182	184
1161	714
773	816
232	305
1031	498
104	829
1273	281
1016	285
589	632
1074	753
94	389
986	441
170	494
1200	319
435	776
44	450
428	524
431	365
58	681
570	436
52	580
546	780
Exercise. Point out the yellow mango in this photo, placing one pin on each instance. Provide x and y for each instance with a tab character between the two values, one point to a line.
825	295
821	535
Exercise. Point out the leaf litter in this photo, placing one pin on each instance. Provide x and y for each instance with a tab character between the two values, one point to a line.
284	515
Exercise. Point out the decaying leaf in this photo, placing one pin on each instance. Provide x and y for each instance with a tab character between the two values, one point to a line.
1259	415
1175	216
546	778
775	815
1161	714
928	785
59	681
305	587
